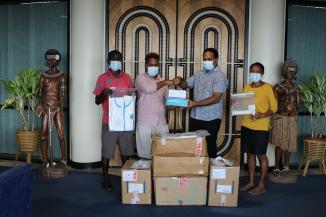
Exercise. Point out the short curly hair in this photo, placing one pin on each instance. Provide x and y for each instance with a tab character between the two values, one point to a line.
261	66
152	56
114	54
212	50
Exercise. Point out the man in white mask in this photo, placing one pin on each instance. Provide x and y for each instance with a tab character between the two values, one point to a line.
113	78
208	86
152	92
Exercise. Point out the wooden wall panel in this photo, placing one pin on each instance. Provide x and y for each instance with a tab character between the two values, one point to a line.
179	30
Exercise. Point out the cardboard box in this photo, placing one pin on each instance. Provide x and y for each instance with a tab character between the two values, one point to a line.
179	145
223	185
180	166
180	190
136	184
116	161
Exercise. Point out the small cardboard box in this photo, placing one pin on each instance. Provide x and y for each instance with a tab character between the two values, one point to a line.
180	190
136	184
179	146
180	166
223	185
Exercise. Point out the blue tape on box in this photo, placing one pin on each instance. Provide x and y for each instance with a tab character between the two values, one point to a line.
172	101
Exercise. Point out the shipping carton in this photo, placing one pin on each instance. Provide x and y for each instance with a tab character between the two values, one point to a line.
180	145
136	184
223	185
180	166
180	190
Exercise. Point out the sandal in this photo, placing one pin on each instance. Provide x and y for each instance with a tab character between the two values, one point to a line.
285	170
276	172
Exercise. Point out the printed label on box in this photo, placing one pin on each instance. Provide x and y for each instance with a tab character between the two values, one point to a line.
136	188
163	141
135	199
219	174
252	109
227	189
223	200
182	182
199	146
129	176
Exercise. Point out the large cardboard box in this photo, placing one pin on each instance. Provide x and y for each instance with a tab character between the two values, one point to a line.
116	161
136	184
180	145
223	185
180	190
180	166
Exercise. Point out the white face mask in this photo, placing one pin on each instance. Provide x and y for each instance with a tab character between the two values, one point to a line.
254	77
208	65
152	71
115	65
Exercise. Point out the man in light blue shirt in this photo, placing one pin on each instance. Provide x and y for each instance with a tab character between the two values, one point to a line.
208	86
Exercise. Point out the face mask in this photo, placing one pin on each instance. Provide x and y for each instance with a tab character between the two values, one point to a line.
115	65
254	77
208	65
152	71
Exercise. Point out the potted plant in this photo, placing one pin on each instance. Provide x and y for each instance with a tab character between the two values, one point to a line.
313	96
24	91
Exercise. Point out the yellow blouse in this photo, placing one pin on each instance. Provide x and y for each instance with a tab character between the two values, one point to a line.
264	100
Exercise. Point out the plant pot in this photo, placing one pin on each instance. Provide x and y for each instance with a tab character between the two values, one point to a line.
27	140
314	149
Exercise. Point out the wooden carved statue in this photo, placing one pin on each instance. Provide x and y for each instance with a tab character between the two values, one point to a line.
284	123
50	108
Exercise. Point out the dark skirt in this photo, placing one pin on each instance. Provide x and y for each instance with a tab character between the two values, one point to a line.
254	141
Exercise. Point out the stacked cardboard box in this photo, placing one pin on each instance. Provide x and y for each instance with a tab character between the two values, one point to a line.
136	182
180	169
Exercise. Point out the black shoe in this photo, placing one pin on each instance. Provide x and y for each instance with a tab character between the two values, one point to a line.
107	186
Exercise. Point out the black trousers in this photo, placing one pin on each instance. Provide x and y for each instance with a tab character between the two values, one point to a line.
212	127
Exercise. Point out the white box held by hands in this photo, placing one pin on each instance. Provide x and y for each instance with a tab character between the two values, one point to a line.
178	94
243	104
177	98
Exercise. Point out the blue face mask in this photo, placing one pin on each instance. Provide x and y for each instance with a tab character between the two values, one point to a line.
152	71
254	77
208	65
115	65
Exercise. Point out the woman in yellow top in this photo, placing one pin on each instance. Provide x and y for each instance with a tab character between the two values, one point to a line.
254	128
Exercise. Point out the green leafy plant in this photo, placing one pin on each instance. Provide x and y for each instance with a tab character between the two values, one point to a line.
24	90
313	96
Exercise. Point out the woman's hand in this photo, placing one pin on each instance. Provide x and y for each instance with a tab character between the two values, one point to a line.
257	116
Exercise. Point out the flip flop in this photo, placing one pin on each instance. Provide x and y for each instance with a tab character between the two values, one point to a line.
285	170
276	172
256	193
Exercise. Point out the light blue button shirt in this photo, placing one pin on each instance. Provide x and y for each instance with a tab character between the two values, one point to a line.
204	85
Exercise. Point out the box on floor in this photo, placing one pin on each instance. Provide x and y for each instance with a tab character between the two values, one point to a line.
223	185
136	184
